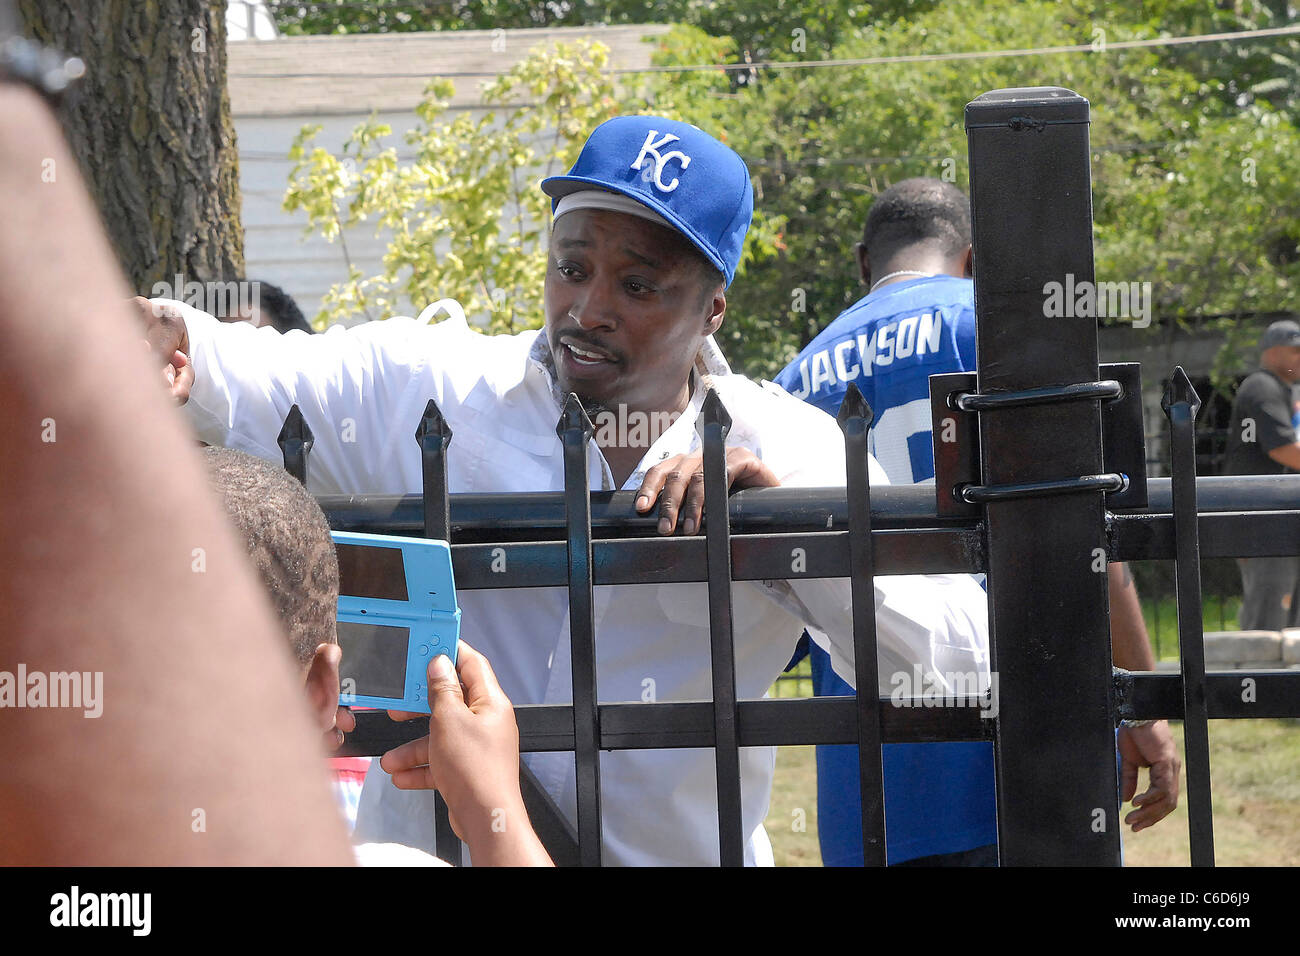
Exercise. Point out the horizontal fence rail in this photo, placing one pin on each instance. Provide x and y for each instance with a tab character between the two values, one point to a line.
540	515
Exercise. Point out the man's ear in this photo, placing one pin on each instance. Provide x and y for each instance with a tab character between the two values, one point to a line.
864	264
968	263
717	308
323	685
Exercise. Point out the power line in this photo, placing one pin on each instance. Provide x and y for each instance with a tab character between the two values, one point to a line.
268	156
1100	47
310	7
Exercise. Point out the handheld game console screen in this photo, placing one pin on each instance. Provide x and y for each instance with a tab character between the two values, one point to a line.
371	572
374	659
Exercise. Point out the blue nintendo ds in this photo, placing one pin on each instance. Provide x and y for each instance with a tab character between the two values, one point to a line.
397	611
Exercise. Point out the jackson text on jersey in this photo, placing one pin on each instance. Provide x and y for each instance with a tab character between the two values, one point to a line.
915	335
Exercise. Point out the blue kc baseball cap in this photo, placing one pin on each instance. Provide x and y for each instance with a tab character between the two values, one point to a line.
695	183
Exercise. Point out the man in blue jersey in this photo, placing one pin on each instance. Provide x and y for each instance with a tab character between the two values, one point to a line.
918	320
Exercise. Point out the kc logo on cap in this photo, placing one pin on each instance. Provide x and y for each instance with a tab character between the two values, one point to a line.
697	185
651	147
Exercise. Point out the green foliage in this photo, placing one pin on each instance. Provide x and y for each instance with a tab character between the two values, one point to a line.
788	29
1196	165
1195	184
464	217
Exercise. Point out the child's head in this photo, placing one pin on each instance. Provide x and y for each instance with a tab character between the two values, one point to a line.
288	540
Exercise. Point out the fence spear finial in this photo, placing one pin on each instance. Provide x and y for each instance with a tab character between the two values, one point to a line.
854	406
433	425
1179	389
713	412
574	418
295	441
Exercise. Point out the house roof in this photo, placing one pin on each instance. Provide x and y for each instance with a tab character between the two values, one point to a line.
388	72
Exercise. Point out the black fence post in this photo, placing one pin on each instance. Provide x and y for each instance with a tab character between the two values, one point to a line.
434	435
713	425
855	418
575	431
1181	403
1032	225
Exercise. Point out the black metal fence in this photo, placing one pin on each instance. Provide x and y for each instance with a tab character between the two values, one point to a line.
1045	475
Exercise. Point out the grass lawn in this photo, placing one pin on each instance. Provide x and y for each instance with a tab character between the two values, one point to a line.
1255	782
1255	788
1254	777
1161	616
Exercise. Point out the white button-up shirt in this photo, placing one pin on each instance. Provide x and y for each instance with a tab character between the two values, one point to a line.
363	390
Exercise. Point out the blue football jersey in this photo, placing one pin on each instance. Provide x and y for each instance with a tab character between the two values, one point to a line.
890	343
939	797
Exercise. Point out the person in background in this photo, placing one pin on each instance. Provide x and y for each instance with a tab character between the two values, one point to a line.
918	320
1262	440
271	305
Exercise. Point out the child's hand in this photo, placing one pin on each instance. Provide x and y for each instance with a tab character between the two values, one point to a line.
471	757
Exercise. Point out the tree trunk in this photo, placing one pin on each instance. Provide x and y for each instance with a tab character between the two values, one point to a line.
150	127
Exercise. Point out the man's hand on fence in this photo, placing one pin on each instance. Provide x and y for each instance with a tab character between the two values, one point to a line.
1150	746
168	340
471	756
678	483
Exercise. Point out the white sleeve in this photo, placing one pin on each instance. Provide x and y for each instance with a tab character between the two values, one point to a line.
349	384
393	854
938	622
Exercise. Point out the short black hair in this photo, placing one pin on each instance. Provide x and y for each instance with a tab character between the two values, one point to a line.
921	210
281	312
288	539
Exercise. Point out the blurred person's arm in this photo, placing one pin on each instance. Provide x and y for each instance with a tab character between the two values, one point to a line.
1152	745
117	561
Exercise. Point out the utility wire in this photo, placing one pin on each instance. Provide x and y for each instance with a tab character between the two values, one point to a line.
270	156
1100	47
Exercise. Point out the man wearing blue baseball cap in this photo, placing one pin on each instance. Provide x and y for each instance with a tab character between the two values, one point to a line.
648	229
